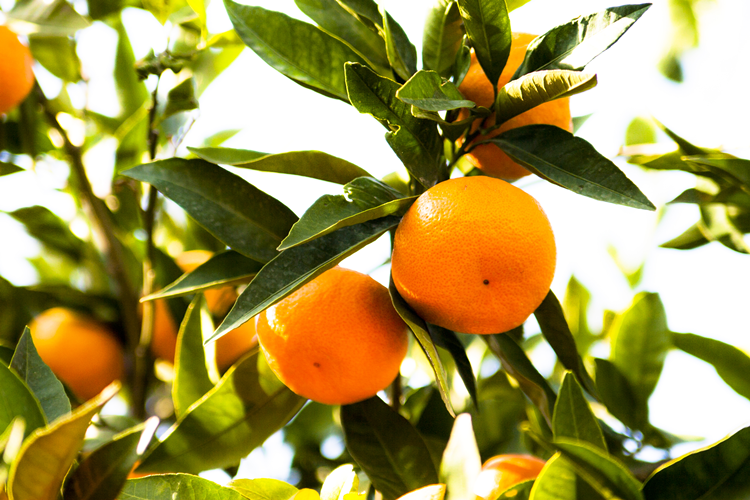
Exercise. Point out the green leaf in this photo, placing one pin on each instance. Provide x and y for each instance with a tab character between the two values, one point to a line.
11	441
339	22
237	415
556	481
177	487
604	473
300	51
640	341
533	89
39	378
401	53
514	4
617	395
57	54
52	18
733	169
730	363
442	37
573	417
421	333
340	482
17	400
367	11
719	471
387	448
298	265
449	341
461	463
520	491
242	216
181	97
191	379
574	44
515	362
163	9
717	225
415	141
9	168
50	230
488	26
427	90
263	489
555	329
102	474
38	471
313	164
225	268
570	162
693	237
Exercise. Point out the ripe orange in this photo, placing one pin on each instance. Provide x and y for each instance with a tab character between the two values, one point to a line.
336	340
503	471
16	75
233	345
219	300
489	158
474	255
83	353
164	339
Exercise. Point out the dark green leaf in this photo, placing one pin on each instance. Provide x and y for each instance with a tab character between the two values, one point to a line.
574	44
58	56
717	472
367	11
556	481
191	379
517	365
463	61
17	400
314	164
387	448
237	415
733	169
6	354
693	237
177	487
449	341
555	329
300	51
9	168
50	230
573	417
419	329
181	97
461	463
442	37
488	26
427	90
571	162
263	489
415	141
224	268
617	395
43	383
686	147
239	214
52	18
401	53
520	491
296	266
730	363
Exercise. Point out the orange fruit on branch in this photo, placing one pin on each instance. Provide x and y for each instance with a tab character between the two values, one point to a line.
489	158
474	255
336	340
503	471
16	75
219	300
82	352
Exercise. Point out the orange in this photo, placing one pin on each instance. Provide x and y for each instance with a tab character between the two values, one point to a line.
232	346
503	471
336	340
489	158
474	255
16	75
164	339
83	353
219	300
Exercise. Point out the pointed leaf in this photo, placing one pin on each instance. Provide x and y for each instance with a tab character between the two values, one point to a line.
730	363
733	169
442	37
717	225
17	400
366	11
50	230
427	90
574	44
556	481
488	26
176	487
242	216
387	448
520	491
44	384
263	489
693	237
38	471
401	53
298	265
181	97
415	141
56	17
618	397
461	463
9	168
449	341
300	51
340	482
237	415
573	417
571	162
313	164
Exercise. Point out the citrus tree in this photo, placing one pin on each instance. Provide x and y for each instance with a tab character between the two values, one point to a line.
183	316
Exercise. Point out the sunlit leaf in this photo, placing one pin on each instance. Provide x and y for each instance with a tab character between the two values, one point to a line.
717	225
488	27
177	487
430	492
52	18
191	380
427	90
573	417
556	481
442	37
263	489
461	463
340	482
181	97
42	224
693	237
58	56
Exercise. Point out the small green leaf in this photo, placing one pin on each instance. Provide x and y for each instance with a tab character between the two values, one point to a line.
387	448
556	481
717	225
716	472
427	90
570	162
298	265
9	168
57	54
488	27
732	169
313	164
17	400
178	487
573	417
37	375
300	51
53	232
401	53
574	44
618	397
520	491
442	37
449	341
38	471
693	237
52	18
227	423
181	97
242	216
263	489
461	463
415	141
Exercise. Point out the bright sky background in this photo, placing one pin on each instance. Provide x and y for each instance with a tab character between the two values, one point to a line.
704	290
